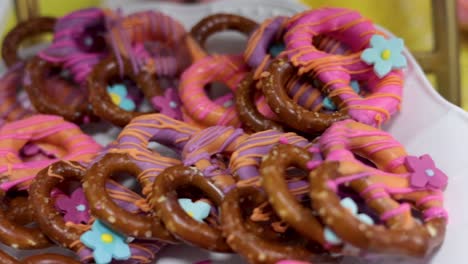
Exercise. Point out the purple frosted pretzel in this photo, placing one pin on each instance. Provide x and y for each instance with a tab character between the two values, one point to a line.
79	41
152	41
202	148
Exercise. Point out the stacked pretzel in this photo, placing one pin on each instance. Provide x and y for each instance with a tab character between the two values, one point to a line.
291	164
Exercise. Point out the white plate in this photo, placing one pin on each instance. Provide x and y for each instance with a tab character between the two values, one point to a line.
427	123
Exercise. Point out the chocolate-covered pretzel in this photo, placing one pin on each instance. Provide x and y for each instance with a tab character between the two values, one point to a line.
391	183
213	24
247	110
69	233
400	234
273	84
18	236
203	147
255	248
35	84
23	31
19	210
134	140
102	206
273	170
101	101
47	258
176	220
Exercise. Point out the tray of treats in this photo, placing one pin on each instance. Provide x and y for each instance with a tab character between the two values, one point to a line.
240	131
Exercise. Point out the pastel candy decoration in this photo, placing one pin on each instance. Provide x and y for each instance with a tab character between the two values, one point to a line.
106	244
80	41
151	41
168	104
388	187
385	54
335	71
198	210
90	239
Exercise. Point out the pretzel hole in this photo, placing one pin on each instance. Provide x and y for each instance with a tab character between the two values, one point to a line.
195	194
226	42
127	180
220	92
163	150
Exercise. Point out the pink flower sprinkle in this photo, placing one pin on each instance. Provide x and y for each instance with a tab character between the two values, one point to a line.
75	207
424	173
169	104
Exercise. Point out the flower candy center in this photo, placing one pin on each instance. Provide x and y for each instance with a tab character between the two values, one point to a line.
429	172
173	104
115	98
386	54
81	207
107	238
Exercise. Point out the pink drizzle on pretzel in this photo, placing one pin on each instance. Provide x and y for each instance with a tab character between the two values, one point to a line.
51	133
336	71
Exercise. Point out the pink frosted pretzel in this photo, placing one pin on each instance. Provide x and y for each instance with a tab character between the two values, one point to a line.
229	69
392	187
335	71
54	139
51	134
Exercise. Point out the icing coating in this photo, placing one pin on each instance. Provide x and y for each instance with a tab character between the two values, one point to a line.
335	71
382	186
228	69
134	139
51	133
147	39
202	147
79	41
246	159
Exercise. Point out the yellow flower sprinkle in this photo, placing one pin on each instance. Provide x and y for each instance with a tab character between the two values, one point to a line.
107	238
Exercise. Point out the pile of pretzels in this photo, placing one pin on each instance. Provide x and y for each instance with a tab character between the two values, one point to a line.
286	161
